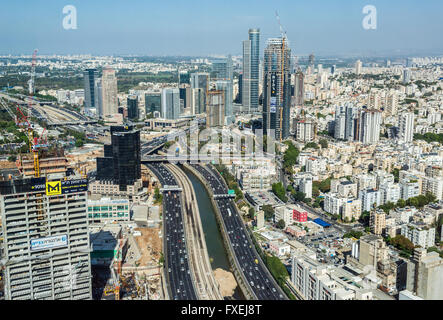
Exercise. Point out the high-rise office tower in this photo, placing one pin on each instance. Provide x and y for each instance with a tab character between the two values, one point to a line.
109	92
277	88
153	104
333	68
98	97
299	88
171	103
240	88
251	62
370	121
340	123
200	80
406	76
121	162
46	250
185	97
222	69
358	67
132	105
215	113
351	113
406	127
89	77
312	61
226	87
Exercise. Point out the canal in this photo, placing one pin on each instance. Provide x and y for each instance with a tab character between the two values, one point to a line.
214	241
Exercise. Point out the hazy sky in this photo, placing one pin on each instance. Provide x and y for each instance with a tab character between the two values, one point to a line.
197	27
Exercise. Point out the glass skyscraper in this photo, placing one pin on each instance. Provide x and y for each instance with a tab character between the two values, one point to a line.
89	77
121	162
170	103
251	62
132	104
277	88
153	102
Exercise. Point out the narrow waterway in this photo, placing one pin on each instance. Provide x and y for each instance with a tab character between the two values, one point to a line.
214	240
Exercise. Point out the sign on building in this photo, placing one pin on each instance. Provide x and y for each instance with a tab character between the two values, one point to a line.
49	242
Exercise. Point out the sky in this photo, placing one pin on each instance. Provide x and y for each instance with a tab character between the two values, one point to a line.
201	28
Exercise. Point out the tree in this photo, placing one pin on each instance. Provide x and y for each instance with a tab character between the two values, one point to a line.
290	156
251	213
299	196
323	143
79	143
401	203
281	224
311	145
12	158
268	211
279	191
158	197
396	173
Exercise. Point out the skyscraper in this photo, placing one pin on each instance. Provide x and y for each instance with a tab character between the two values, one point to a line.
215	113
370	121
109	92
358	67
153	104
406	76
312	61
121	162
299	88
89	76
200	80
277	88
251	62
222	69
226	87
171	103
132	105
406	127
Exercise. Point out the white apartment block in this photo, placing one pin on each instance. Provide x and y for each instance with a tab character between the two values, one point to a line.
369	198
319	282
419	235
389	193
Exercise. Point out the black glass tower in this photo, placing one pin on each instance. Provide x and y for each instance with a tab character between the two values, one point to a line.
121	161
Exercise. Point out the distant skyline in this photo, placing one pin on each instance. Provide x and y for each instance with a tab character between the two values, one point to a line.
202	28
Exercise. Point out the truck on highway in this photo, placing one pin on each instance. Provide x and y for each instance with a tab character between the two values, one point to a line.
229	212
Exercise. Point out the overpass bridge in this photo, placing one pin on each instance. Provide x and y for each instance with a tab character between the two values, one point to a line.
199	158
71	123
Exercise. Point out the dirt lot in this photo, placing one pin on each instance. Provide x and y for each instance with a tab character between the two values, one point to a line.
150	245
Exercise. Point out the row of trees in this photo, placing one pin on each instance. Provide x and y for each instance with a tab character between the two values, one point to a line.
429	137
418	202
230	181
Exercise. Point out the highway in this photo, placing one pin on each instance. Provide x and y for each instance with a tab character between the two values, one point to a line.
205	283
178	274
259	279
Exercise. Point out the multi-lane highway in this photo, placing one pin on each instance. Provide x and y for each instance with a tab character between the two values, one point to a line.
179	279
258	277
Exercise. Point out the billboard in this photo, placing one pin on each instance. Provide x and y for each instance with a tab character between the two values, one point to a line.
66	186
49	242
273	105
273	85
